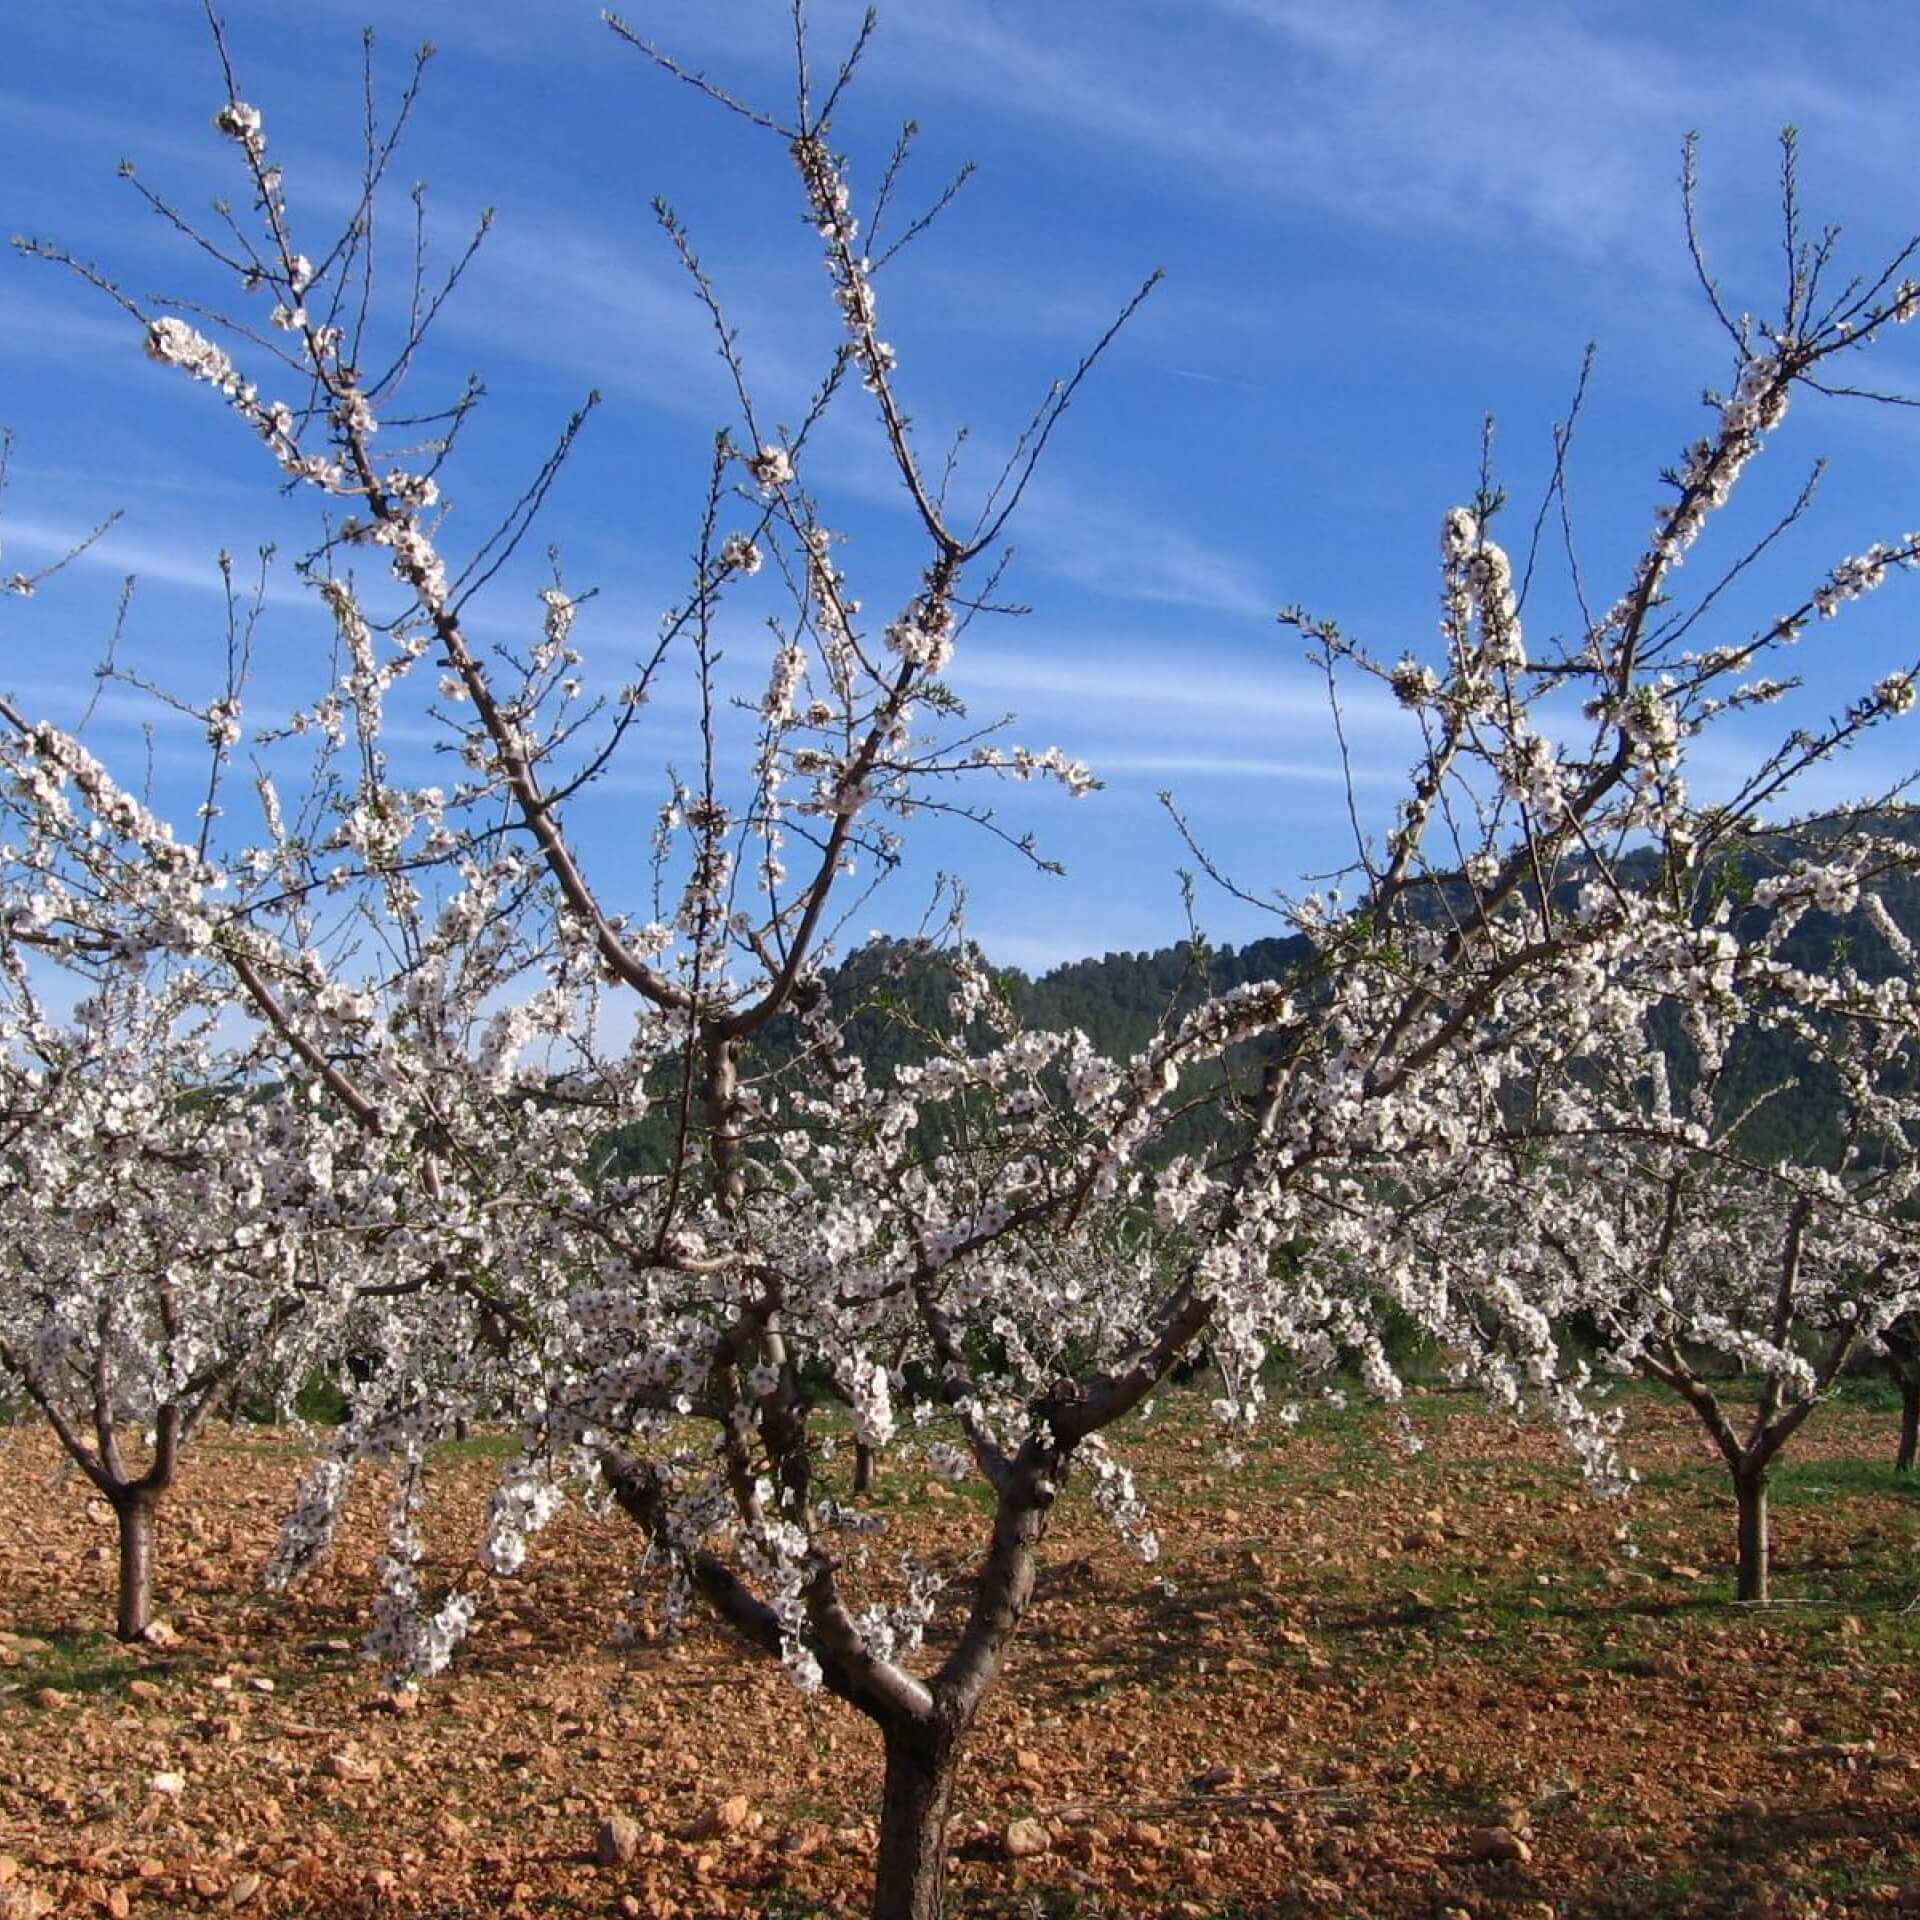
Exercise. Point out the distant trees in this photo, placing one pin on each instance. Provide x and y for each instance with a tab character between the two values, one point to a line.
970	1254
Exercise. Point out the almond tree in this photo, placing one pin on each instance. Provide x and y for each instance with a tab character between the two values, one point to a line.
165	1222
961	1254
1900	1345
1637	1199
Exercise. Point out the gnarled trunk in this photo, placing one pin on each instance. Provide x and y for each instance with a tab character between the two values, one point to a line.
1750	1491
134	1509
862	1467
1909	1425
923	1759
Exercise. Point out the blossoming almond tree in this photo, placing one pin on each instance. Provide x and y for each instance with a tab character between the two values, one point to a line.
164	1222
1900	1344
1791	1269
789	1243
1635	1200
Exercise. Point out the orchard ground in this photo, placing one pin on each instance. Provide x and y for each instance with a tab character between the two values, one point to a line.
1357	1683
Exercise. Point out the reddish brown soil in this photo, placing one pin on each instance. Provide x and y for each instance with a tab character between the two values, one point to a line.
1347	1668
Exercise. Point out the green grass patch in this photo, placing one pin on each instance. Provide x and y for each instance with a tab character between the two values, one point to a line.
1818	1482
81	1662
478	1446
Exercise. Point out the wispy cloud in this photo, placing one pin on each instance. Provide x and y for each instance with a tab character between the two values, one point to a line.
1218	684
101	136
1402	114
64	327
1063	528
997	296
571	298
162	562
1128	553
1193	765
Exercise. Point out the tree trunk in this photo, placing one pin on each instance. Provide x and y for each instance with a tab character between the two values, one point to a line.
134	1510
1909	1425
1750	1490
862	1467
910	1879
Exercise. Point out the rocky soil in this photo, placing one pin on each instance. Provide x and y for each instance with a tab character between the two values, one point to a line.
1356	1683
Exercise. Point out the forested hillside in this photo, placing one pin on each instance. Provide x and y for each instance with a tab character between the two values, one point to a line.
896	991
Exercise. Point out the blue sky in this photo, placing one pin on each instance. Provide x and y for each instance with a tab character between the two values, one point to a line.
1380	220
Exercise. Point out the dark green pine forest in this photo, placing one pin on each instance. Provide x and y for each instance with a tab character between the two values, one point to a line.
894	995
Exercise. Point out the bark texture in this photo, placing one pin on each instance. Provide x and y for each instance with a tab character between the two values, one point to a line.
910	1876
1750	1491
133	1509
